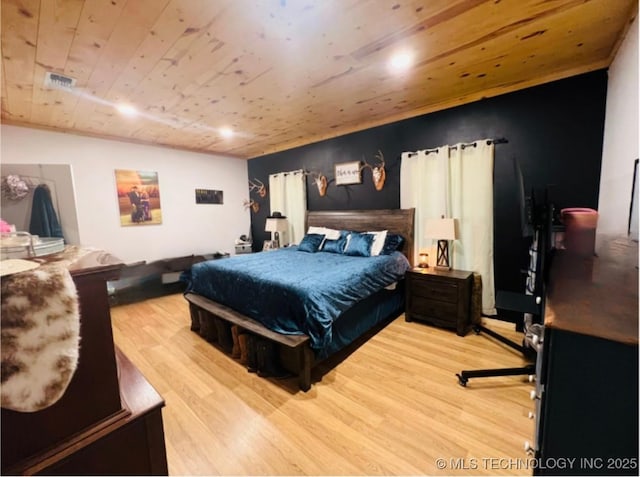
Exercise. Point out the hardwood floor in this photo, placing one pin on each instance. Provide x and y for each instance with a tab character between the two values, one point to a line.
393	406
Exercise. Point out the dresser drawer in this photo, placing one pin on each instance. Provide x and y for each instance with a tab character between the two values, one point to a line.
435	290
428	308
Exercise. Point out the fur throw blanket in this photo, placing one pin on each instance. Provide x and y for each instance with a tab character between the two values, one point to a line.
40	336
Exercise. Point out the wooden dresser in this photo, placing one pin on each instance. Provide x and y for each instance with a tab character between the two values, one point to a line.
442	298
109	419
586	396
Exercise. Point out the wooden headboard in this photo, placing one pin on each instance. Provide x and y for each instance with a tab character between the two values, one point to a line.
397	221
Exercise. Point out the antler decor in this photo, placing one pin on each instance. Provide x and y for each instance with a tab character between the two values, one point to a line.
260	188
320	180
377	172
255	206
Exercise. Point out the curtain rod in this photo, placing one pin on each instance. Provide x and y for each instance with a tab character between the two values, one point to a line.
500	140
297	171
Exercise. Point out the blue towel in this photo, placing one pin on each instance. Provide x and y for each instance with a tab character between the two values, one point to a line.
44	221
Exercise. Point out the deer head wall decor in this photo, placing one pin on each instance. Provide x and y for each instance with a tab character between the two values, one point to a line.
255	206
260	188
378	173
320	180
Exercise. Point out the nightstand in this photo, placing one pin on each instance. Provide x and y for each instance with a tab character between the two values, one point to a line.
243	248
440	297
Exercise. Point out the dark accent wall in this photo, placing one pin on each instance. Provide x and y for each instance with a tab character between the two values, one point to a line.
555	132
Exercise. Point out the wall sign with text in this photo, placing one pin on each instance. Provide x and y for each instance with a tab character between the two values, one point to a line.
348	173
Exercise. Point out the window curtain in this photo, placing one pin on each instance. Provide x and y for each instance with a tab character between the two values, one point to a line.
288	195
456	182
419	189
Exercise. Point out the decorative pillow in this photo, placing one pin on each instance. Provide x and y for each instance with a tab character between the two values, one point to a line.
336	246
311	243
40	336
378	242
393	243
359	245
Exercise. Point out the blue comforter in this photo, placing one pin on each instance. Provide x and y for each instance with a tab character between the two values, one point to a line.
295	292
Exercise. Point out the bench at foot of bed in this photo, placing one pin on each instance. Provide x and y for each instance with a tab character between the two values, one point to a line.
213	322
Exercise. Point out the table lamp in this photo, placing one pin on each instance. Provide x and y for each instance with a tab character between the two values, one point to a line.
442	230
275	224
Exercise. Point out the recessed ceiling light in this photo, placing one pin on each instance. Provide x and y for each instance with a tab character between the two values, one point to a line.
126	109
401	61
226	132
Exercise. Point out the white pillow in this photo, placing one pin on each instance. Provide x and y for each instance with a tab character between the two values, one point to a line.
378	242
332	234
346	243
329	234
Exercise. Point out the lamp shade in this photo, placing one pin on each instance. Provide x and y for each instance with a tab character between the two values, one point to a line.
441	229
276	224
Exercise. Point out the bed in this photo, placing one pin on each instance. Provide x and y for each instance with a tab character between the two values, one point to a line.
309	305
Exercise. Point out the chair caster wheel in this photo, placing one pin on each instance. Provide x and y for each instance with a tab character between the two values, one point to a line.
462	381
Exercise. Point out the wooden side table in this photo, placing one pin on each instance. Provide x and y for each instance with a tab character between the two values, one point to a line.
441	298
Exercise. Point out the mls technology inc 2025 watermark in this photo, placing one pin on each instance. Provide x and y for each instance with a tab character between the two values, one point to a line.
557	463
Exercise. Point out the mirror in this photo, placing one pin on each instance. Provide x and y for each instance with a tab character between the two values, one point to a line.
59	179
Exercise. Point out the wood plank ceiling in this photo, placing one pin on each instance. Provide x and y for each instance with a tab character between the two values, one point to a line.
283	73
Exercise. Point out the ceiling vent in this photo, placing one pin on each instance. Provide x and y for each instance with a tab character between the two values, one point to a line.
58	81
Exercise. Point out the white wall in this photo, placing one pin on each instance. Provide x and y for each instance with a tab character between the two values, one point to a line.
620	147
187	228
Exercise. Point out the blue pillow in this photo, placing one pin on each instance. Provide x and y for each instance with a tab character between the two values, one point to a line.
359	245
392	243
336	246
311	243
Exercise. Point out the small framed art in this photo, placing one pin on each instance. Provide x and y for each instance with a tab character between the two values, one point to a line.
208	196
268	245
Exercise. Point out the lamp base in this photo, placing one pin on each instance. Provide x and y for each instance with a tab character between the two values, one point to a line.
442	262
